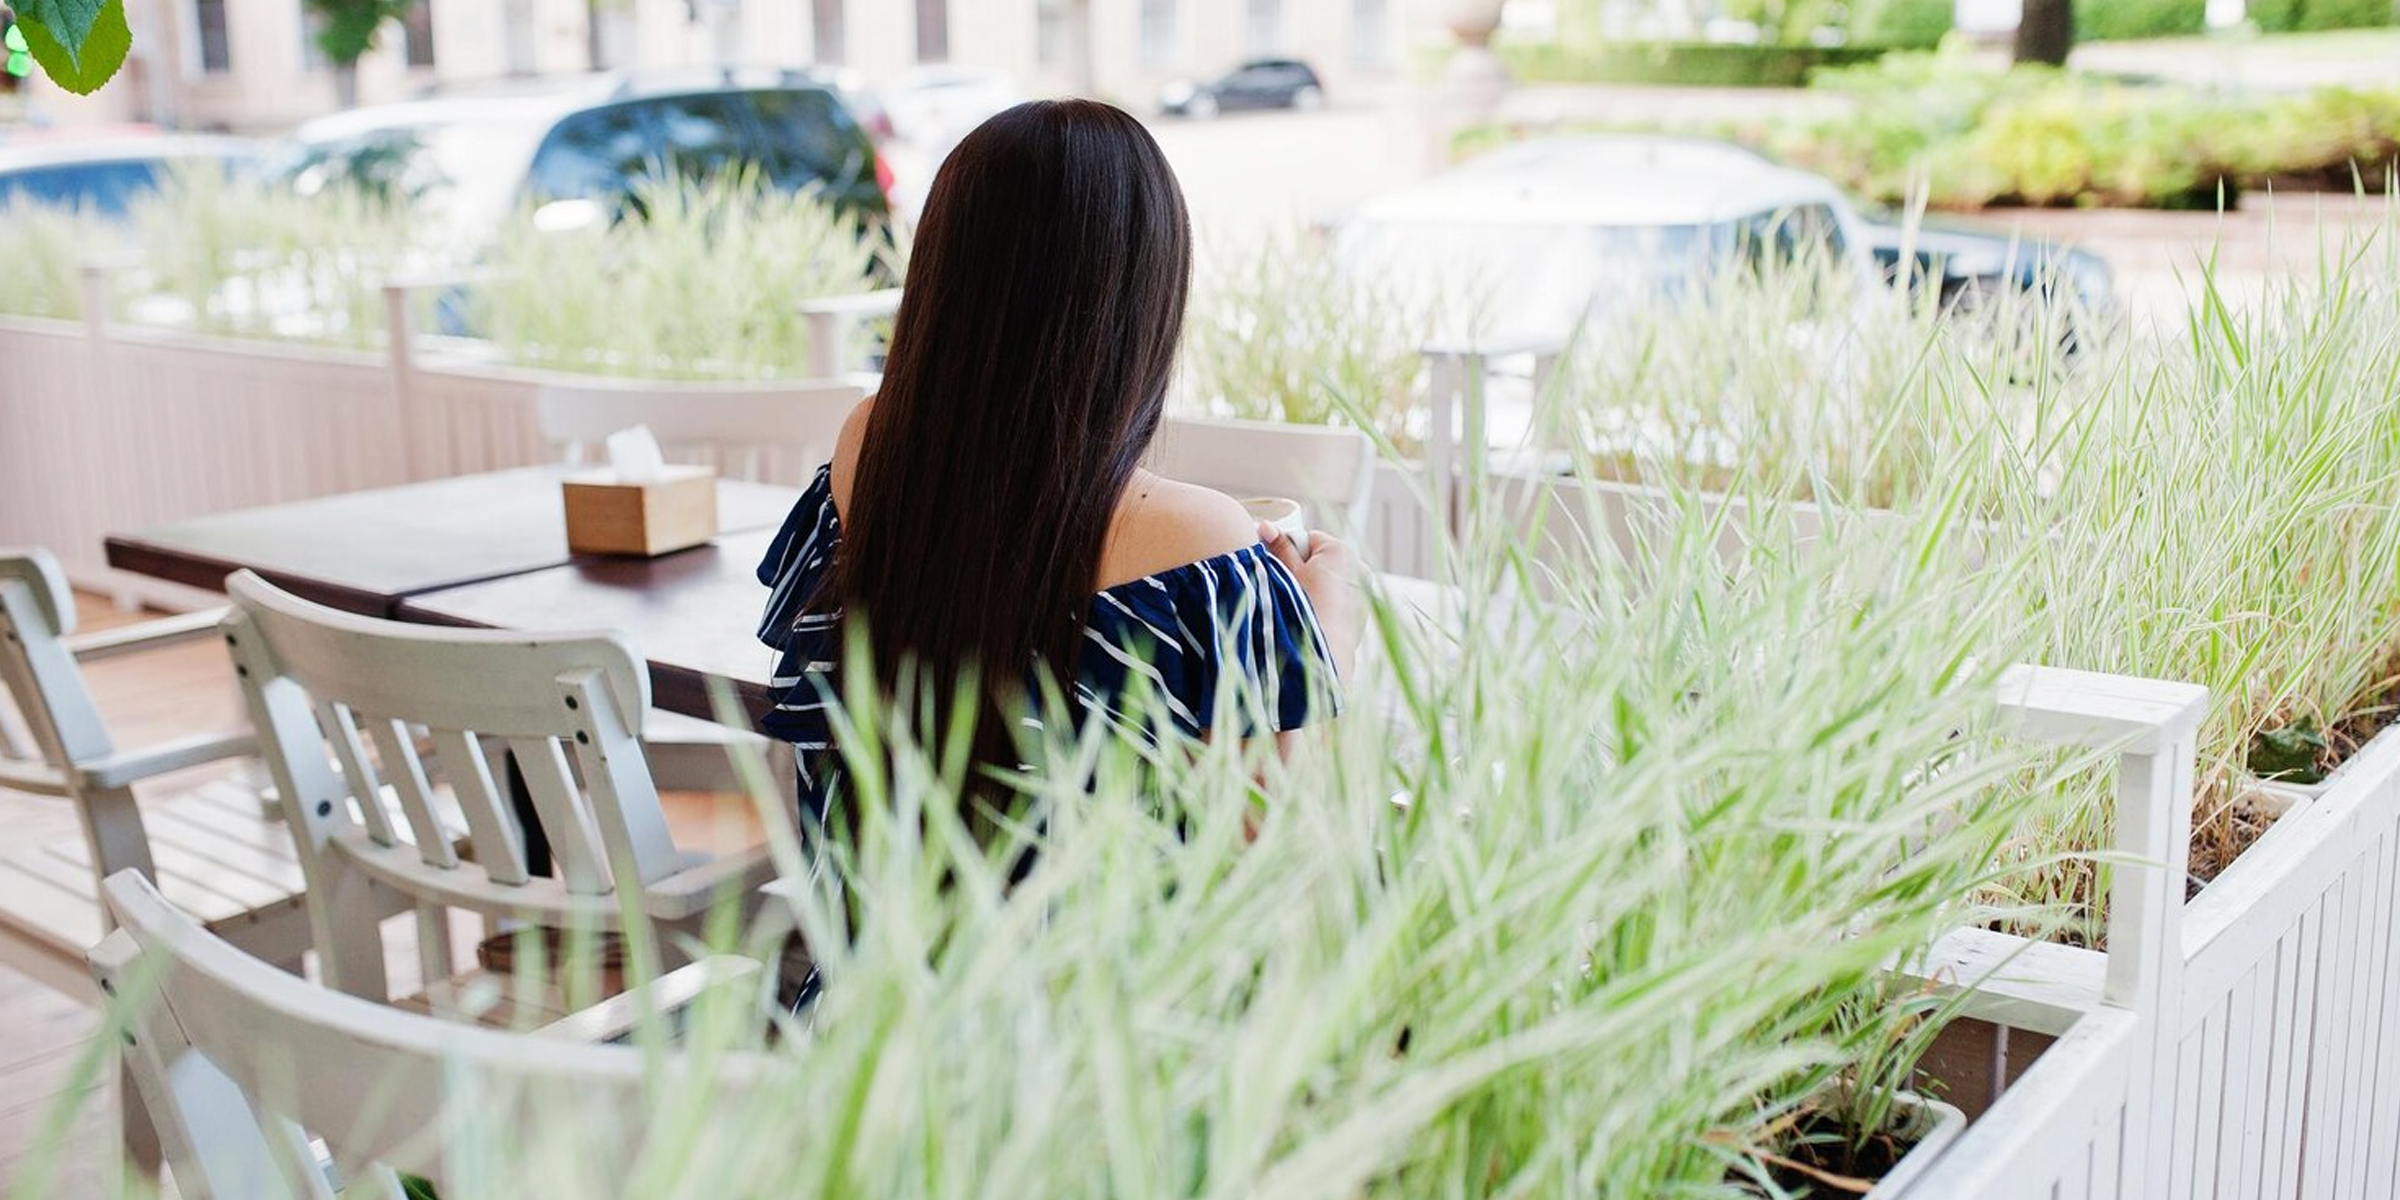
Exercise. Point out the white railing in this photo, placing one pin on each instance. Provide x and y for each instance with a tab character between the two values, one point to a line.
109	429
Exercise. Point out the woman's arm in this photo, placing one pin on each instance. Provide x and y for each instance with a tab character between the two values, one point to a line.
1329	573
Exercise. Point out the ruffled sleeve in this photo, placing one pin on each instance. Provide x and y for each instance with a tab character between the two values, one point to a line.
796	561
1229	642
794	569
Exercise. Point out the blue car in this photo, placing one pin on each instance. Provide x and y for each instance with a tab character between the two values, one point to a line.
104	174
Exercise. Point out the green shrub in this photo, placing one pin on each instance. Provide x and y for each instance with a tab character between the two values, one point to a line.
1971	137
2119	20
2295	16
1694	64
1902	24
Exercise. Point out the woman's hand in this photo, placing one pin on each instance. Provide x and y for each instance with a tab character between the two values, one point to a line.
1329	572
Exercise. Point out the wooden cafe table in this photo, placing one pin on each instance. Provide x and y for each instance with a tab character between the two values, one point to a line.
373	552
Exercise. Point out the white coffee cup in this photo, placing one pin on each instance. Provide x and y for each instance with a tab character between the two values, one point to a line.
1285	515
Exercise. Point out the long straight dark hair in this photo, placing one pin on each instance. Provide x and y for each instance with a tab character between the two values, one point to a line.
1028	367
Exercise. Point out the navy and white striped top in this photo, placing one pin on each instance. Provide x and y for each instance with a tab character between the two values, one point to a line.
1232	635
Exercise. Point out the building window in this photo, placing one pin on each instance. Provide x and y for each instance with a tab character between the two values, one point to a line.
933	30
1371	32
1266	27
826	16
516	36
1053	32
210	37
416	34
1158	32
312	27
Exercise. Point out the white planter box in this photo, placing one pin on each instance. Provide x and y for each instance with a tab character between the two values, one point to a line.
2250	1051
1935	1125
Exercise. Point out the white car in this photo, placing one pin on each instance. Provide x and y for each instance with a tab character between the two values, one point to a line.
1536	245
1529	243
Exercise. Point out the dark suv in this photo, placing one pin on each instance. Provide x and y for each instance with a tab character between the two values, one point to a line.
583	149
1262	83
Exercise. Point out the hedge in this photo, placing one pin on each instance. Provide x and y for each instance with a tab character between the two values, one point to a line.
1698	64
2121	20
1903	24
2295	16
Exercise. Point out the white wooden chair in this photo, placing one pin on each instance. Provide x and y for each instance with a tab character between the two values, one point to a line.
1330	471
242	1067
210	846
760	432
567	706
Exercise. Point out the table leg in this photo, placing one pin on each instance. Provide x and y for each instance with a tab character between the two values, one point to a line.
529	822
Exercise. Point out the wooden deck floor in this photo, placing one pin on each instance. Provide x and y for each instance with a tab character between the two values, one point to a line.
57	1098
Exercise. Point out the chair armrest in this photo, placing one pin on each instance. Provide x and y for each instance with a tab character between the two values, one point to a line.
689	892
667	996
145	636
132	766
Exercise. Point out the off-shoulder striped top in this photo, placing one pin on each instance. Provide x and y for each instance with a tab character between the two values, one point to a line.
1229	640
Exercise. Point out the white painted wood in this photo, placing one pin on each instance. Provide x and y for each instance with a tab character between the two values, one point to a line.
2040	1138
222	425
1330	471
833	326
739	423
242	1063
49	910
2041	1130
2023	984
546	697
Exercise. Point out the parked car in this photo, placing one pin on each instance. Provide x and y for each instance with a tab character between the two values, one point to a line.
103	174
1259	83
1539	243
1556	227
580	152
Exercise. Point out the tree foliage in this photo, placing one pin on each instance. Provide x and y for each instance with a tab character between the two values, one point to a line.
349	28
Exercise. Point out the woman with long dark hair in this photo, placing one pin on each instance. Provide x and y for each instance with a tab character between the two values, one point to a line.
986	515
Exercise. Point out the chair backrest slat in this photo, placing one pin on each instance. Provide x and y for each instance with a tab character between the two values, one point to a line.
491	828
624	797
1330	471
574	842
735	425
406	773
366	785
37	612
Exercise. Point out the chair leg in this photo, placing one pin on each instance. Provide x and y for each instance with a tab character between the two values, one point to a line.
142	1149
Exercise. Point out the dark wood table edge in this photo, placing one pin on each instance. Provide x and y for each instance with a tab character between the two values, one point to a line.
679	690
134	556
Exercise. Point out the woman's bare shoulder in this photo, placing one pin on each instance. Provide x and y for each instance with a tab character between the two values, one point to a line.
845	451
1163	524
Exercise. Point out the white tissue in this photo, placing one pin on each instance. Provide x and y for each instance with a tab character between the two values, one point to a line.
634	455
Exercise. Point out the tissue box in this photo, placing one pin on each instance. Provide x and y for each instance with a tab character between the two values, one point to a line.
675	511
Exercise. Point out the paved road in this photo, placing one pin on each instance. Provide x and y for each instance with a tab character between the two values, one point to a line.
1251	175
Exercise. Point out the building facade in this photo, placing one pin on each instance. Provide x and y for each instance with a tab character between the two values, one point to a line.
252	66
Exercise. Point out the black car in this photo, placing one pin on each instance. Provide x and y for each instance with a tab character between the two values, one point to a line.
581	152
1969	264
1260	83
